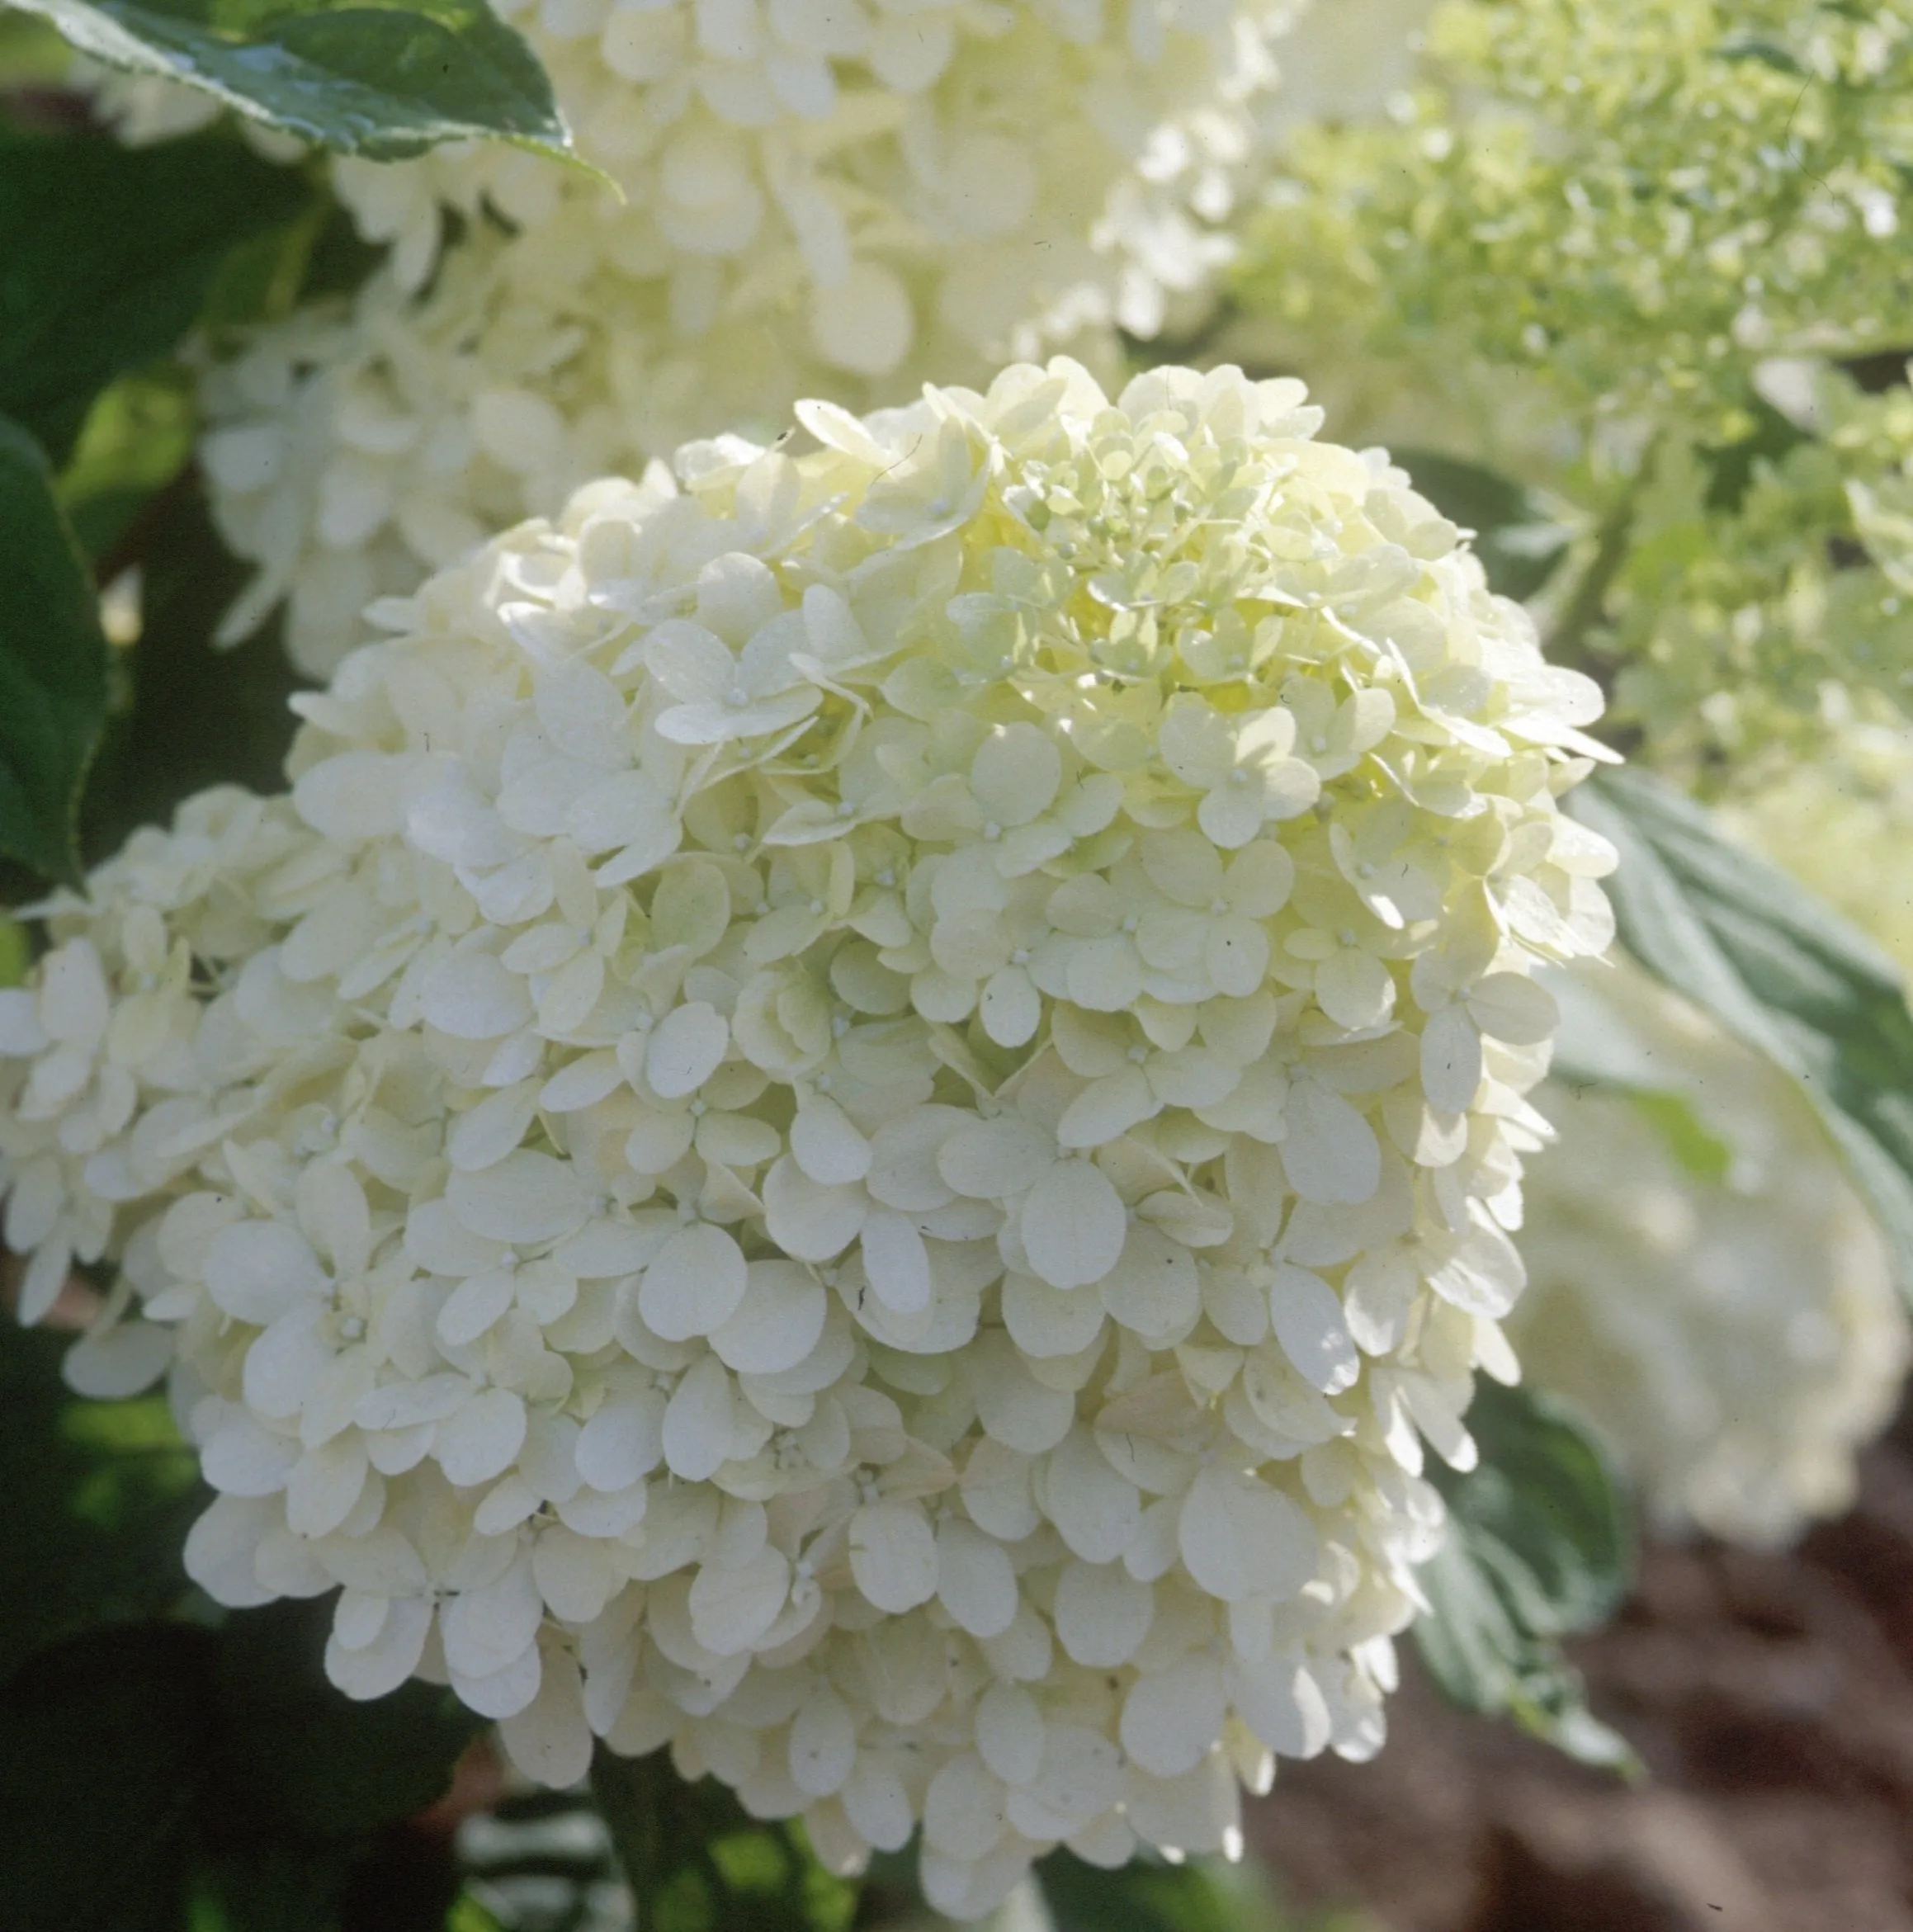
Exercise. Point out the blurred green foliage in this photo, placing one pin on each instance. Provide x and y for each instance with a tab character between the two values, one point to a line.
108	257
74	313
53	665
1539	1547
1775	966
100	1497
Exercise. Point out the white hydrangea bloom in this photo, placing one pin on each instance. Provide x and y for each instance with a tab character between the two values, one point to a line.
1344	61
1727	1321
144	109
820	197
857	1113
350	454
906	169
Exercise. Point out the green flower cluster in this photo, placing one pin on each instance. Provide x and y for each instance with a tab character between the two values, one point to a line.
1651	256
1642	199
1764	607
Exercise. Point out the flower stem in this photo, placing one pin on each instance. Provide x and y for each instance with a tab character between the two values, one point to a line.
633	1795
1567	643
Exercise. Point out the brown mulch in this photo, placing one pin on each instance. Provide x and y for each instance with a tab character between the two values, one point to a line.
1771	1697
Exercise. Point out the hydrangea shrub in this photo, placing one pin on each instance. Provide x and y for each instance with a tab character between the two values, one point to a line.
858	1114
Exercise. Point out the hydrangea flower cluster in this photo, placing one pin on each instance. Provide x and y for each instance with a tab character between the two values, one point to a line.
1342	64
350	454
858	1114
820	196
1707	1288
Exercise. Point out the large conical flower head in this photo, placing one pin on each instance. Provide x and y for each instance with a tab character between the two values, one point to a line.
858	1114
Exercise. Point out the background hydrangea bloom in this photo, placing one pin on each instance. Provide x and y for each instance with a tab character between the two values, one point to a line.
1707	1288
857	1113
1856	799
835	199
1649	258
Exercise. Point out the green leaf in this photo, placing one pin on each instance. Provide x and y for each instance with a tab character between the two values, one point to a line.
1731	466
268	1884
467	1915
1764	52
1539	1547
31	54
1775	966
137	437
100	1496
198	716
1544	1495
1701	1152
105	1744
16	954
106	254
1518	537
382	80
306	1753
52	664
131	1799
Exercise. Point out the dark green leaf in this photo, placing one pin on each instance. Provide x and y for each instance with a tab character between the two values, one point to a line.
105	1744
1731	466
1519	538
378	80
341	260
1539	1547
106	254
52	664
267	1883
1762	52
1544	1495
265	278
199	716
100	1496
1777	968
305	1753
